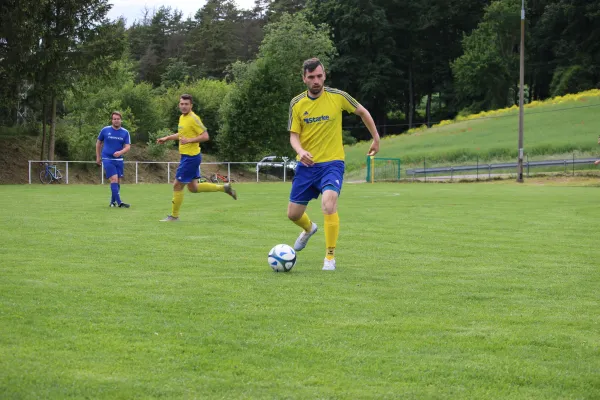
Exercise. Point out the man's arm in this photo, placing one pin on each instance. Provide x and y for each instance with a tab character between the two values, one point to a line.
125	149
163	139
305	156
364	114
201	138
98	151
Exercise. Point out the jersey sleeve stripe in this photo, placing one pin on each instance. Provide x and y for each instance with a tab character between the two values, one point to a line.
294	101
346	95
197	121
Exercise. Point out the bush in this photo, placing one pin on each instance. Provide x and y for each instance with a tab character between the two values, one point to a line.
157	151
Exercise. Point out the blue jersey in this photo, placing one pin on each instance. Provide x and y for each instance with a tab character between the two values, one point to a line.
114	140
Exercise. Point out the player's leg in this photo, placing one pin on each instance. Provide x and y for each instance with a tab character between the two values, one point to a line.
186	173
207	187
120	166
302	192
331	183
111	174
332	225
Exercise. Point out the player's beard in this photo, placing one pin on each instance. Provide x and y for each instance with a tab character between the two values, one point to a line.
315	90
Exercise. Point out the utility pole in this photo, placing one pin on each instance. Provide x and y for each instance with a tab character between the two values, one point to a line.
521	96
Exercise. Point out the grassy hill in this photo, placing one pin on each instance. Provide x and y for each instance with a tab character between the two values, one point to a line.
557	126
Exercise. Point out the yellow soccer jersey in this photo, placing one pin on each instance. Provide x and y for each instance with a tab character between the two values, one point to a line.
318	122
190	126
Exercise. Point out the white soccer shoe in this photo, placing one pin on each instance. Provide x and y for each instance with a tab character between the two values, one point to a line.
329	265
303	238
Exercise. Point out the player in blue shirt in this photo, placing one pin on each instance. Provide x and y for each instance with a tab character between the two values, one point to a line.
113	141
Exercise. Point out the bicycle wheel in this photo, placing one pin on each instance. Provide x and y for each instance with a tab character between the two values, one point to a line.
58	176
45	176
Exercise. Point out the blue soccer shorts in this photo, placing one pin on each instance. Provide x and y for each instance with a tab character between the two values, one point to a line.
309	182
189	168
113	167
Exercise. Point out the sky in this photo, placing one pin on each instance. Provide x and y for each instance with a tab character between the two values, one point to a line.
132	9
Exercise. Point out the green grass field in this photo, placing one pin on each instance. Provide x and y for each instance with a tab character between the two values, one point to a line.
550	131
475	291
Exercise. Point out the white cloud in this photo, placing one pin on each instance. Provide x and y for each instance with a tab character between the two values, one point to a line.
132	10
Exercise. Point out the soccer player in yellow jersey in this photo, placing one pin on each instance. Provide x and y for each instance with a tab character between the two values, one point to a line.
315	126
190	133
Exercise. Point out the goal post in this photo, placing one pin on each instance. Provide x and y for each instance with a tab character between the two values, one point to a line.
380	169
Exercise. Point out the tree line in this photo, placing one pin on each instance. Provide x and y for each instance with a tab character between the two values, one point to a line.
65	66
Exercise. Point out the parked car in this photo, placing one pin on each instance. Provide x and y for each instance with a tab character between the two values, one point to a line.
277	162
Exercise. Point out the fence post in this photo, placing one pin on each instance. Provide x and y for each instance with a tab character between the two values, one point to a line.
67	172
229	171
29	162
168	172
527	165
424	170
477	168
136	172
284	170
102	173
573	164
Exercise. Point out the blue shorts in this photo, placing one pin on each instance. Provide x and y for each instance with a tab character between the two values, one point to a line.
309	182
189	168
113	167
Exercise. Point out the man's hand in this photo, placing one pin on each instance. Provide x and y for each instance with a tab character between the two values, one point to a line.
374	149
98	160
161	140
117	154
306	158
184	140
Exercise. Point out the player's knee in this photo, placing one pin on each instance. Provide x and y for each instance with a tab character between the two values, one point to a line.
178	186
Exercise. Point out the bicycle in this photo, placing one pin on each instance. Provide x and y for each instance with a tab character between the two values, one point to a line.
50	173
218	178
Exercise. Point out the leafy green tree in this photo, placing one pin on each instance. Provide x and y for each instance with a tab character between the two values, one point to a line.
19	35
489	68
213	43
254	114
75	39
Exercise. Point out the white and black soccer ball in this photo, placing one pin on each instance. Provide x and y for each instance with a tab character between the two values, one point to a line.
282	258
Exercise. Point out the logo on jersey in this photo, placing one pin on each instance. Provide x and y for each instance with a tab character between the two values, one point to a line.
322	118
305	113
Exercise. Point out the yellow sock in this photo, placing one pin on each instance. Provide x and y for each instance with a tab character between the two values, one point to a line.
304	222
210	187
332	229
177	200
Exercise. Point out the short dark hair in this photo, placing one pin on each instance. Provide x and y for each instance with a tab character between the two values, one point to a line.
186	97
311	64
115	113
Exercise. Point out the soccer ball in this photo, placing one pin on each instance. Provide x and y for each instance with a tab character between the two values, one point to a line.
282	258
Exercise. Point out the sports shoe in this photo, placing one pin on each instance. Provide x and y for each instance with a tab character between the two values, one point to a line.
124	205
229	190
303	238
113	204
170	218
329	265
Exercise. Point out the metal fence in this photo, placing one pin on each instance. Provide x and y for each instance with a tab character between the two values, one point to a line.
565	166
237	171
